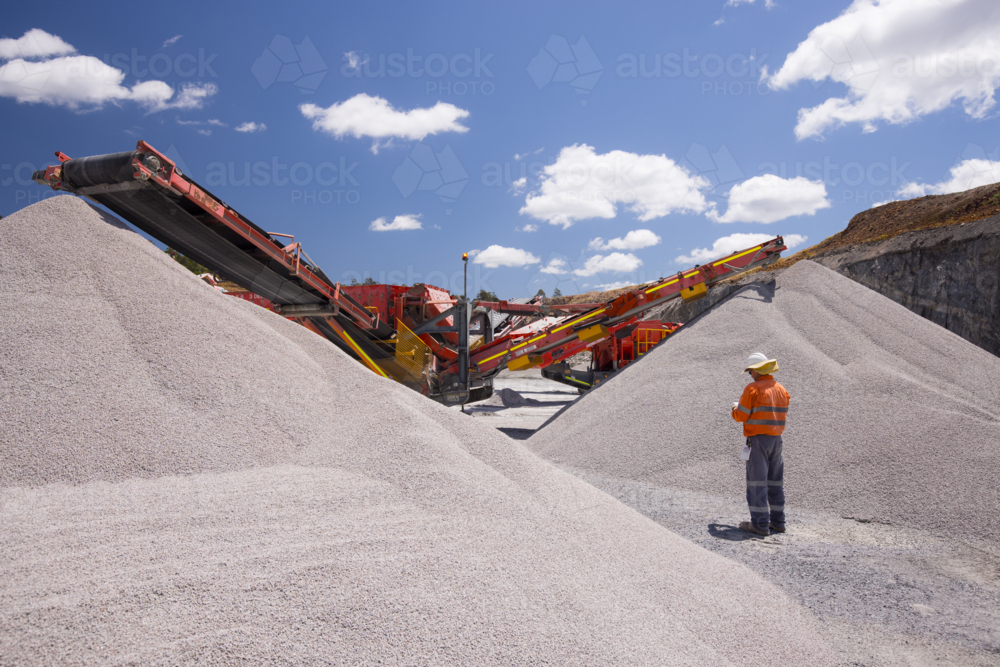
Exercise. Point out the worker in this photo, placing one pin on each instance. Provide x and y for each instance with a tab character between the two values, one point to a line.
762	409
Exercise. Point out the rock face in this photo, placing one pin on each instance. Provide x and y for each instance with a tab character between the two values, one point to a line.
949	275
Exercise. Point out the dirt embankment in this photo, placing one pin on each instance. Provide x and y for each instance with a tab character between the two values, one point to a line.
882	223
587	297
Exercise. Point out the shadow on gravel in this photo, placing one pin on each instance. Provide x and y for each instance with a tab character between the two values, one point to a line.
732	533
517	433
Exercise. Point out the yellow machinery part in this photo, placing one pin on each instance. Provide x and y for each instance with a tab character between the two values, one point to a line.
695	292
524	363
596	332
411	359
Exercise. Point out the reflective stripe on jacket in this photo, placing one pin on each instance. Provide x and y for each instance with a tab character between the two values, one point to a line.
762	407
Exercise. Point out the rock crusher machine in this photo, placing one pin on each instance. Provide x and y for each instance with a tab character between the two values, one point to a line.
444	346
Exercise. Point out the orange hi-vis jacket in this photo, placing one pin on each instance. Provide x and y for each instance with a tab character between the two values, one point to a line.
762	407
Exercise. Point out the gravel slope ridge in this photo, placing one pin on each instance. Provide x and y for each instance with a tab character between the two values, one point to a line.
892	417
187	478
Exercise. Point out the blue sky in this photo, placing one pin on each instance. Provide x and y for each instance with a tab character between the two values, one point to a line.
691	125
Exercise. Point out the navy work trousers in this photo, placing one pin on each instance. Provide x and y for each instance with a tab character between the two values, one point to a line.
765	481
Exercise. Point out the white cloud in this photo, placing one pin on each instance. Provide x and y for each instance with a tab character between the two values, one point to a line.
770	198
84	81
212	121
582	184
965	175
555	267
207	133
496	256
34	44
634	240
615	262
720	21
250	126
171	41
158	96
354	60
366	116
527	228
518	186
900	59
191	96
769	4
399	223
727	245
521	156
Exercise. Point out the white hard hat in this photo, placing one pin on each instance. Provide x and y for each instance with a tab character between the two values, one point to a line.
759	362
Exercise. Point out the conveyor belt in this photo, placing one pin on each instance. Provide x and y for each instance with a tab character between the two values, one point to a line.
181	224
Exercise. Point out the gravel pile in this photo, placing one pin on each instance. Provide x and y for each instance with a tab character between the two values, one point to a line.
188	478
892	417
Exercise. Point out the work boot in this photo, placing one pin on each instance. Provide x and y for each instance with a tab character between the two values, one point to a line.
748	527
777	529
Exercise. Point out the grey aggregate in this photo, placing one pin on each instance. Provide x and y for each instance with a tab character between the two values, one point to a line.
188	478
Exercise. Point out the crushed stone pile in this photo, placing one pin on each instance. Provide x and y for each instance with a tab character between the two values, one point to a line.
892	417
188	478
